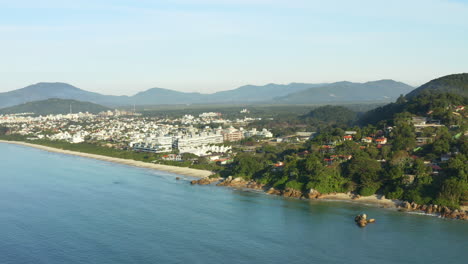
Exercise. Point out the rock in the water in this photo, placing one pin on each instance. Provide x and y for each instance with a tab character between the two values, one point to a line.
273	191
204	181
361	220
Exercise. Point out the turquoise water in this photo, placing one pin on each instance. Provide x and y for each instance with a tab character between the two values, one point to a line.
65	209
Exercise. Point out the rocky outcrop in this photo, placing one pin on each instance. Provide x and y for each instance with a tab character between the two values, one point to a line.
273	191
442	211
362	221
290	192
313	194
205	181
241	183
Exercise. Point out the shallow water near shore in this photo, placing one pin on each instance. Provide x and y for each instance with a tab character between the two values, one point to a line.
64	209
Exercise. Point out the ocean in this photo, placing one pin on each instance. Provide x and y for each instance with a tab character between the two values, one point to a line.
57	208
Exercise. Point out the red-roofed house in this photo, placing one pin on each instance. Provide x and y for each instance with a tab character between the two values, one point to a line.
381	140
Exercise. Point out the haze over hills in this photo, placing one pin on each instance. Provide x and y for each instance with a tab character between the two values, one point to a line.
42	91
383	90
294	93
54	106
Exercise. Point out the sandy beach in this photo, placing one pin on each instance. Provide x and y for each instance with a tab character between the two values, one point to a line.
173	169
375	199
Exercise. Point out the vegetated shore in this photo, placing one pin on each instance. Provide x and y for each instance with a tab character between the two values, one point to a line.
374	200
173	169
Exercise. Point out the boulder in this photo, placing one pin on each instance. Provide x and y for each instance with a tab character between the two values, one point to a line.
406	205
313	194
204	181
289	192
361	220
273	191
429	209
423	208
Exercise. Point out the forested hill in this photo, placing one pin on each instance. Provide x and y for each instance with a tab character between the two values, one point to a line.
455	84
433	99
54	106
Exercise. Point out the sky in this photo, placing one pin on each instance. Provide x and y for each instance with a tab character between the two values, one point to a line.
121	47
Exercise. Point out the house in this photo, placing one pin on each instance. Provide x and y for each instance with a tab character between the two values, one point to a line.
419	120
327	149
172	157
423	140
445	157
278	164
382	140
348	137
366	140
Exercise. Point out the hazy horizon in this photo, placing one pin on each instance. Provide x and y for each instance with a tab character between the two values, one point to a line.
122	47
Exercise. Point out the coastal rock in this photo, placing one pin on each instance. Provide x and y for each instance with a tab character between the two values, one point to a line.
454	214
429	209
406	205
204	181
289	192
361	220
313	194
273	191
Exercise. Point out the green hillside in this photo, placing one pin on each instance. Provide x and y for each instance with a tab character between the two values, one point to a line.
435	99
454	83
54	106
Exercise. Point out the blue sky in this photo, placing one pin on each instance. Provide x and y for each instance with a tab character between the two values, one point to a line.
125	46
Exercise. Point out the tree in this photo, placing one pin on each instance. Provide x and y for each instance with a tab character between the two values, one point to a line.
247	165
452	192
365	171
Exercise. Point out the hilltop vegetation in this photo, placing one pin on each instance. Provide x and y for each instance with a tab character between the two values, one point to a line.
455	84
54	106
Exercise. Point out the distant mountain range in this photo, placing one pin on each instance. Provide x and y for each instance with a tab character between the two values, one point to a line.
384	91
294	93
54	106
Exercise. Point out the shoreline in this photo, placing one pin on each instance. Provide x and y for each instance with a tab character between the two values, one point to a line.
375	199
166	168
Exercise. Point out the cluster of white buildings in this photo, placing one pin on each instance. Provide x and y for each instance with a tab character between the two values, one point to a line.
138	133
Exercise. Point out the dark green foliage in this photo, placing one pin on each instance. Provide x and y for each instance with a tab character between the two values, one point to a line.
455	83
247	165
331	114
54	106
